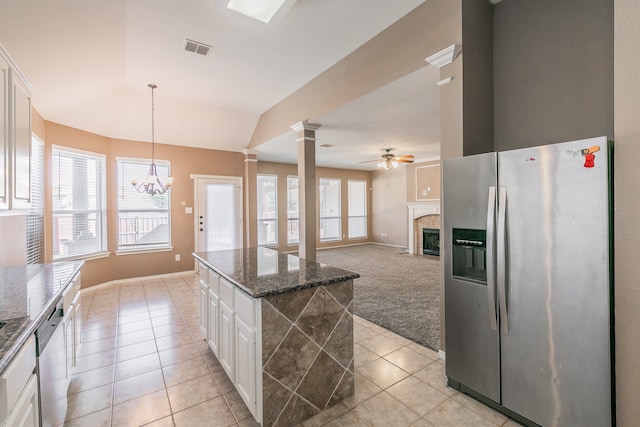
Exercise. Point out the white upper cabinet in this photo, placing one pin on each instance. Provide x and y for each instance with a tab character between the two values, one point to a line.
15	134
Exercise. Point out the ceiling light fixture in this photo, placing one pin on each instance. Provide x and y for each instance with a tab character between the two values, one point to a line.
152	184
260	10
386	164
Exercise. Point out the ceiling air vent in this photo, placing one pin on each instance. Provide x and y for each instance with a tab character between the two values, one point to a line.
196	47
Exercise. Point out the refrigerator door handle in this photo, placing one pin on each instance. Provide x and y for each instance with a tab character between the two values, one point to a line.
501	260
491	279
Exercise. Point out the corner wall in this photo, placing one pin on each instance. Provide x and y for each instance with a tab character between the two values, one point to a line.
627	209
184	162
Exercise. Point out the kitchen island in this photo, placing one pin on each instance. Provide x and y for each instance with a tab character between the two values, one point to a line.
282	329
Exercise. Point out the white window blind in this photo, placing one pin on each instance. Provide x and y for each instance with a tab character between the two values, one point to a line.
267	212
293	215
79	203
35	216
330	211
144	221
357	209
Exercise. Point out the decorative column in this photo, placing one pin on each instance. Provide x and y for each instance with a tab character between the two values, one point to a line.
251	197
307	189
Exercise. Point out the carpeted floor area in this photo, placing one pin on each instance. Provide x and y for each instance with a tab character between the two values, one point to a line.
396	290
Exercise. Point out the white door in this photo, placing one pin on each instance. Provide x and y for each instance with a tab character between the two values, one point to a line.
218	213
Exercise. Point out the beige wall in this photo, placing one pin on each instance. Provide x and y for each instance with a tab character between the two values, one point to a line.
627	209
282	170
396	52
423	177
184	162
389	206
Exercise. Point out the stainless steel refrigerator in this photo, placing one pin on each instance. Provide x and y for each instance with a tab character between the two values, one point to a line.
528	276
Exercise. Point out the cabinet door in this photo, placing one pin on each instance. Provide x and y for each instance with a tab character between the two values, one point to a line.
77	327
226	349
25	413
4	134
214	315
204	304
245	361
68	325
21	152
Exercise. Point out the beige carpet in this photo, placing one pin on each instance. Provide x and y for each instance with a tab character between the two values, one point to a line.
396	290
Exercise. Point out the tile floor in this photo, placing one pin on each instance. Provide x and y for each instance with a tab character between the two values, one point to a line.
143	362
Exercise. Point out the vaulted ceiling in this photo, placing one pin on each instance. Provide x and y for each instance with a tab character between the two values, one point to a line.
90	62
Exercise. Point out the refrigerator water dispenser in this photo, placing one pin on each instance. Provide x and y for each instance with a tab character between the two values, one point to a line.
469	254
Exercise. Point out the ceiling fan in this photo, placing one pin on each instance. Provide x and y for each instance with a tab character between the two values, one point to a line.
389	159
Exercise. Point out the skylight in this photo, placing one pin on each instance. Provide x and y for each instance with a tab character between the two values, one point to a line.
260	10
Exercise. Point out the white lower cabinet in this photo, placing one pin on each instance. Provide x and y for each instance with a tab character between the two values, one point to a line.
72	324
19	389
213	331
25	412
233	332
204	302
225	346
245	361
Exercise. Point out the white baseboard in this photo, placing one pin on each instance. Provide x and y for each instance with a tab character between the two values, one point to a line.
136	279
442	355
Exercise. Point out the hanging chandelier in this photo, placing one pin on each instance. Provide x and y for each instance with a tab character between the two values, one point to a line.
152	184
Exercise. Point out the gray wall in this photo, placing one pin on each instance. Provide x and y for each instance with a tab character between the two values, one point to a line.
553	71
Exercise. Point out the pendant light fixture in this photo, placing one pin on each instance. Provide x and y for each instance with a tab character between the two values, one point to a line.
152	184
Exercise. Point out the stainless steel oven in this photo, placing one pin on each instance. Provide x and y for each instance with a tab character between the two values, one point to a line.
51	368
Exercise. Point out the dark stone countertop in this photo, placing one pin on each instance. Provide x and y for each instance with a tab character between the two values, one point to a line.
27	294
261	272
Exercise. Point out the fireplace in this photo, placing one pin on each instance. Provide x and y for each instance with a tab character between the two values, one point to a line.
431	241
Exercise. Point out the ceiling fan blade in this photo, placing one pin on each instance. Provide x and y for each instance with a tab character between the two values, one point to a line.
408	156
369	161
403	160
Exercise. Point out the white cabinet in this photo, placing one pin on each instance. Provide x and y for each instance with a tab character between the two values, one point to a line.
225	346
245	362
213	331
18	389
72	324
233	333
204	303
15	137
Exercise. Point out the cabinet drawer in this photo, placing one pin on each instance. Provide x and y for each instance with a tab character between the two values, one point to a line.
14	379
214	281
226	292
245	308
204	273
70	293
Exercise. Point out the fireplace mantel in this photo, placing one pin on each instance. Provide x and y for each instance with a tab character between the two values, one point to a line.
417	210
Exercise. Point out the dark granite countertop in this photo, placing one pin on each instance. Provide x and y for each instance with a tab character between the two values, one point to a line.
261	272
27	294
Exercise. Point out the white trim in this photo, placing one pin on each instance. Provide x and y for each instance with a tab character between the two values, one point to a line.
77	151
89	257
388	244
444	57
444	81
21	75
417	210
142	251
300	126
135	279
442	354
251	160
247	151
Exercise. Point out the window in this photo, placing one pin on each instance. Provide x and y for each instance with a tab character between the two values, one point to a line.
144	221
35	220
293	216
329	209
357	209
79	203
267	210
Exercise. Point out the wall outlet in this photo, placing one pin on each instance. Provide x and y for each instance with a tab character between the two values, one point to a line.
177	257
